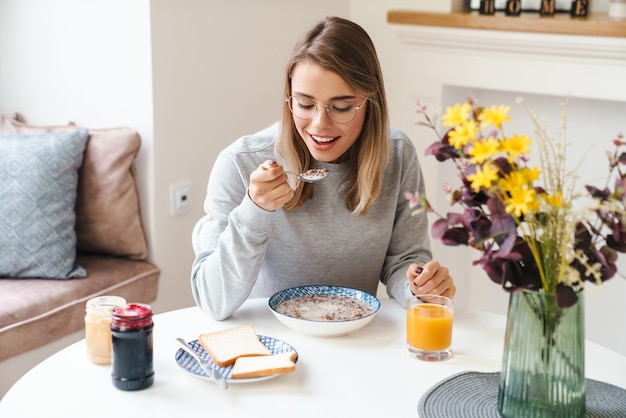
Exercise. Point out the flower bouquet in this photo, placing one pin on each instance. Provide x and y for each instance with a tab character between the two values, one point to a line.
540	239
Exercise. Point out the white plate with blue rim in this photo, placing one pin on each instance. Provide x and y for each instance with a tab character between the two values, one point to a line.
188	363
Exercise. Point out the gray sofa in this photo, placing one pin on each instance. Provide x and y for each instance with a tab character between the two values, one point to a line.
107	237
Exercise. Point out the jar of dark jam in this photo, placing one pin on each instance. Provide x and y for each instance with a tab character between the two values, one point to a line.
131	348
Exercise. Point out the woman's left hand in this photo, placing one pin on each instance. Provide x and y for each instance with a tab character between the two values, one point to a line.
432	279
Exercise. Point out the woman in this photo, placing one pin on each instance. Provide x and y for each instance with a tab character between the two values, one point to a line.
265	230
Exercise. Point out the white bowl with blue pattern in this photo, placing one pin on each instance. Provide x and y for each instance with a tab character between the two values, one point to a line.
324	328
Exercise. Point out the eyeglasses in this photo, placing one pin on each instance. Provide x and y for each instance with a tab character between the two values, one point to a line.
339	111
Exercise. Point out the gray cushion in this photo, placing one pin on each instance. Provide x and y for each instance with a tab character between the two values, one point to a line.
38	181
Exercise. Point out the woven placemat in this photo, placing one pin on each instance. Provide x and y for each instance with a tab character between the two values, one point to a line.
475	394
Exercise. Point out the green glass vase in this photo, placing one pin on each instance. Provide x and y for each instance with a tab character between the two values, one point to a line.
543	365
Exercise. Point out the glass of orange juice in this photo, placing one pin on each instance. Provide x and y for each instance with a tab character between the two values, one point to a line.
429	327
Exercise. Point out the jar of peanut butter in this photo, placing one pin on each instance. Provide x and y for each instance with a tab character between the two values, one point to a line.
98	327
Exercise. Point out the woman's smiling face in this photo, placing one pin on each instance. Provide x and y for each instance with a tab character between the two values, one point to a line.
326	140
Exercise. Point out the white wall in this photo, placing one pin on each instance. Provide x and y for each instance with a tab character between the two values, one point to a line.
83	61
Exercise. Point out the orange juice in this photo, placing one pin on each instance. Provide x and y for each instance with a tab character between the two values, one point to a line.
429	326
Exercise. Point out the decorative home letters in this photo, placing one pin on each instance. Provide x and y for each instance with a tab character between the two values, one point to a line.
547	7
513	7
487	7
579	8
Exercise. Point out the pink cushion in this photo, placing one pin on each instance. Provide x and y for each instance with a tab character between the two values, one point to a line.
108	217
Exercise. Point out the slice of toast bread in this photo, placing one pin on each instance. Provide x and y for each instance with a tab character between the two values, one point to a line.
257	366
225	346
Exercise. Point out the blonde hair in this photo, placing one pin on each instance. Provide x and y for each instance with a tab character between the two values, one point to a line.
343	47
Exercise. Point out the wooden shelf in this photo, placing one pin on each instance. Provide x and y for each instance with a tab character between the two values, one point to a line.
560	23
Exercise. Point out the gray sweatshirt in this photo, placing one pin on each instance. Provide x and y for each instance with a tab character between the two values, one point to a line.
245	251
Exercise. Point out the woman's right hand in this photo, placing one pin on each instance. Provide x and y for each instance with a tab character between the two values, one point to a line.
268	188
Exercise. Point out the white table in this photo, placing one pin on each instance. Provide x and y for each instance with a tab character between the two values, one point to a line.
367	373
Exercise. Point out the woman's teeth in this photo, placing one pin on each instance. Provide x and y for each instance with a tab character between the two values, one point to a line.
323	139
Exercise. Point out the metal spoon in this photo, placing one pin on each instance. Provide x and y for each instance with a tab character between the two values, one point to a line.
310	176
217	377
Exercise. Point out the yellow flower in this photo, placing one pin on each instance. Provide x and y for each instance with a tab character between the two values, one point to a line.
485	176
519	178
483	149
531	174
463	134
457	115
555	200
495	115
521	201
513	181
516	146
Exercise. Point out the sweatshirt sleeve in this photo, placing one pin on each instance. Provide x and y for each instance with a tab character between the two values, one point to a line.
410	242
229	241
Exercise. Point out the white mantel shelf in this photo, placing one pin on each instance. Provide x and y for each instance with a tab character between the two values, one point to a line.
561	23
531	54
